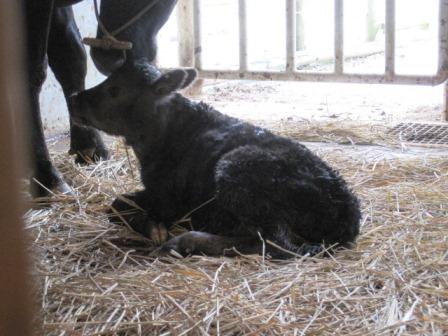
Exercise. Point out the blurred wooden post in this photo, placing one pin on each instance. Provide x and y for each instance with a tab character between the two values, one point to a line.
186	33
300	26
15	301
185	20
372	26
445	102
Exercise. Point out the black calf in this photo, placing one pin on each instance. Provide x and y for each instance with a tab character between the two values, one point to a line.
252	184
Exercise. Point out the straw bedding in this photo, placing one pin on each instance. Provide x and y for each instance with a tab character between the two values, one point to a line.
94	278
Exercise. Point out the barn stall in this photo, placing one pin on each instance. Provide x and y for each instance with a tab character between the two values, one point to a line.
94	278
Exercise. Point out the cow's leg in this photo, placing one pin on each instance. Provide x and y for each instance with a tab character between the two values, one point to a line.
68	60
37	23
44	176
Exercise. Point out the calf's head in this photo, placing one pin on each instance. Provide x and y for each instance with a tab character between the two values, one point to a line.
128	102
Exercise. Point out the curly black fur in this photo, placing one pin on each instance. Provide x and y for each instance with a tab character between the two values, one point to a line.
262	184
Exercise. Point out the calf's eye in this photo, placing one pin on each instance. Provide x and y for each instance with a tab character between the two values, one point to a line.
114	91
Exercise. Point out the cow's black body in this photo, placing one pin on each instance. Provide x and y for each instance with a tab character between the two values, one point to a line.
52	38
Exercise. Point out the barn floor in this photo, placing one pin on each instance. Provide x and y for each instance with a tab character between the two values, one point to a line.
255	100
94	278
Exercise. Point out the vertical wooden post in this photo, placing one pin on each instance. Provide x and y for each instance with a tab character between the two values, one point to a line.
15	302
445	101
300	26
372	26
443	52
290	35
242	20
390	38
338	36
186	32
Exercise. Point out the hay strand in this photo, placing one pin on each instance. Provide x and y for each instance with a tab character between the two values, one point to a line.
95	278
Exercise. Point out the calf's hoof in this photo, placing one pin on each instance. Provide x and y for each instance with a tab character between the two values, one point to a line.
180	245
121	213
311	249
189	243
157	232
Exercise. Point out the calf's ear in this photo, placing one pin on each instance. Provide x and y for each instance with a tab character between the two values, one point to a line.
191	76
170	82
174	80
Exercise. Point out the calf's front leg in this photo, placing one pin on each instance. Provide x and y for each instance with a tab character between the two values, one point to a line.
129	209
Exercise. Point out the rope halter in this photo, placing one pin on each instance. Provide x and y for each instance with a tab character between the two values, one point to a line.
109	40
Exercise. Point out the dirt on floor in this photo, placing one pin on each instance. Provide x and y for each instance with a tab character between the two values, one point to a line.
254	100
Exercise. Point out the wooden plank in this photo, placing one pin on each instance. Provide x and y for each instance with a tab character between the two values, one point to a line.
15	306
291	35
185	14
242	13
339	37
390	38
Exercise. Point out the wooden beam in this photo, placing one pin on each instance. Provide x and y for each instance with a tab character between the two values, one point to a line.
15	301
185	13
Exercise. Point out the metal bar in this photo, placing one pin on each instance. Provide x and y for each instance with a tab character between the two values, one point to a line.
390	38
197	34
324	77
290	35
339	36
242	13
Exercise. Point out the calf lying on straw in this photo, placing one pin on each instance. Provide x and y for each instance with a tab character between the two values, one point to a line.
251	190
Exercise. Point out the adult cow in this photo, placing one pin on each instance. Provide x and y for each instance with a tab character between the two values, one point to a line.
52	38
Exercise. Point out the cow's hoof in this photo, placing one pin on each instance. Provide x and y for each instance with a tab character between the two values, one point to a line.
87	145
49	185
90	155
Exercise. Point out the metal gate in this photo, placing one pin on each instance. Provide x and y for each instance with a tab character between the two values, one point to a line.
190	49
